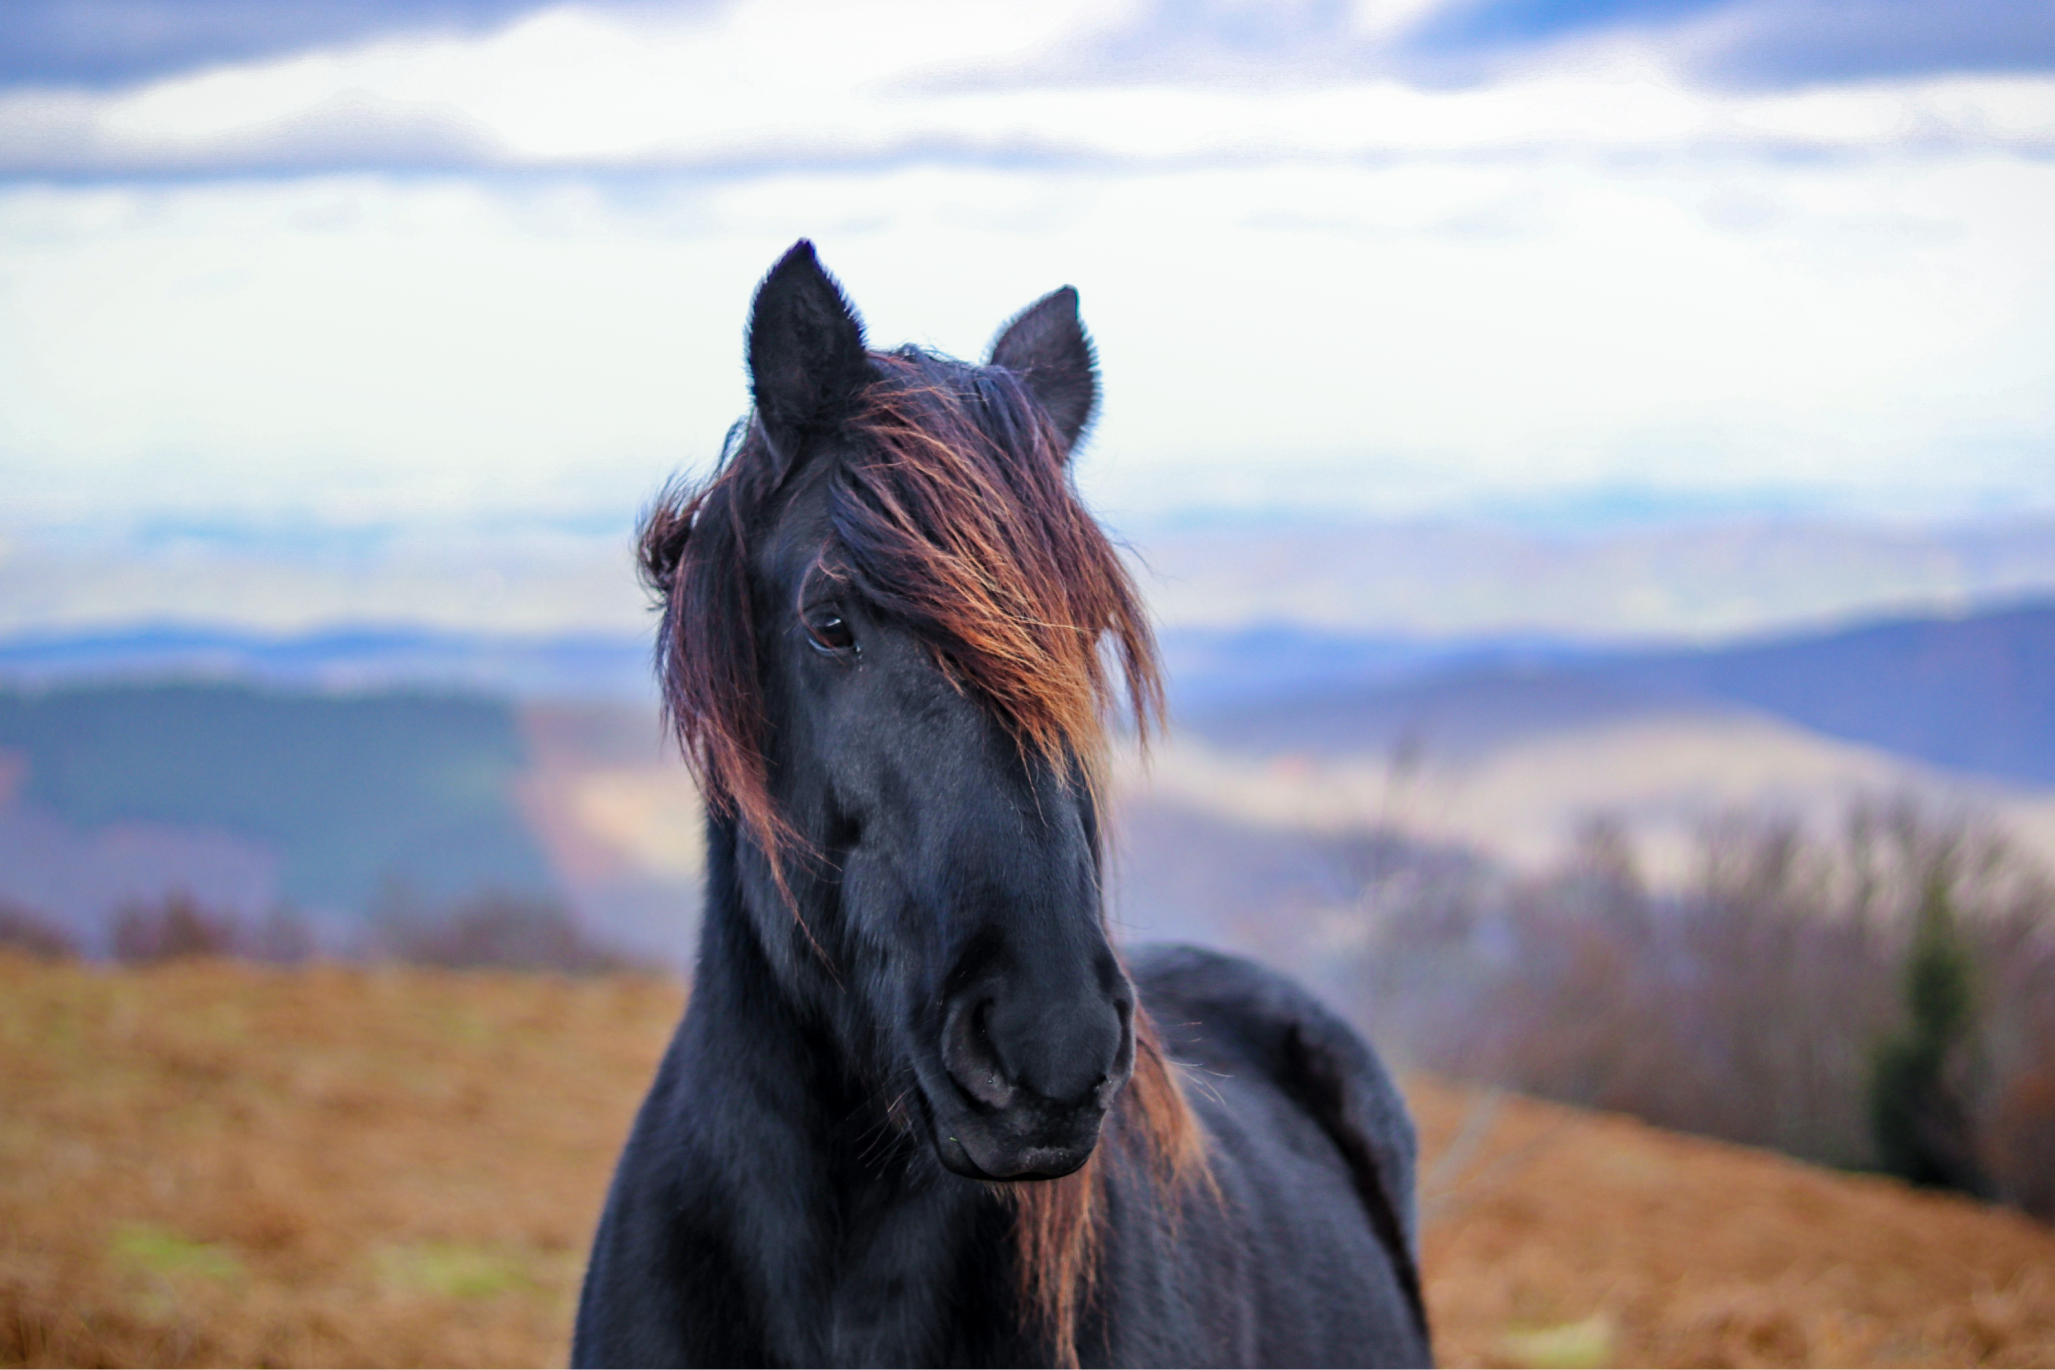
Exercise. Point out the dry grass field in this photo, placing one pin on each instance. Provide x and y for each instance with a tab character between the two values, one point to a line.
211	1163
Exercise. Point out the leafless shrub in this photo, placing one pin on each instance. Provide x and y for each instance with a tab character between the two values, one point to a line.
1433	942
512	932
282	938
1755	1004
2020	1140
168	931
506	931
31	934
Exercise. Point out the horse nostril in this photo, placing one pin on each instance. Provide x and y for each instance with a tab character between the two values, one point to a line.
968	1056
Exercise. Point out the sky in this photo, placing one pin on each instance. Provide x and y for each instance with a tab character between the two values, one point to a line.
274	269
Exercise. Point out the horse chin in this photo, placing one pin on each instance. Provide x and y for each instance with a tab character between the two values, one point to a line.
977	1150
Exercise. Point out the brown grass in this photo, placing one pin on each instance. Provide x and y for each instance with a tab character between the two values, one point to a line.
1560	1236
208	1163
213	1163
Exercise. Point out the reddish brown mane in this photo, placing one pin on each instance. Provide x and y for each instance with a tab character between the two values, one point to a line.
955	514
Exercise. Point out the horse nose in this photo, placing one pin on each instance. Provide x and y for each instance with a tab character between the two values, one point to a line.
1054	1054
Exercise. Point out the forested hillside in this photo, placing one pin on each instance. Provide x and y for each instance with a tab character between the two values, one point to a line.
350	793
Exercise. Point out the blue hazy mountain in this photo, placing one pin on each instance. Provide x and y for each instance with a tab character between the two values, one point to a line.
353	794
1211	669
1207	666
329	797
589	665
1974	693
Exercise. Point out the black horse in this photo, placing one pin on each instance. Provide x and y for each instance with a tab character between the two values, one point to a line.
919	1111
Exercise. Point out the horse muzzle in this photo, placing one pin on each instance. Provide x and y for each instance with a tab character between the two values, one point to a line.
1026	1093
986	1148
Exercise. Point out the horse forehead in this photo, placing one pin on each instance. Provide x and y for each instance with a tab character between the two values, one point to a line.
802	530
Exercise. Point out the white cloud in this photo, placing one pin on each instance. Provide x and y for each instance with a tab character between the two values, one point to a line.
451	346
1345	294
797	81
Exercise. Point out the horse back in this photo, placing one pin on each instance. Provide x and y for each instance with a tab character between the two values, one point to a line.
1313	1154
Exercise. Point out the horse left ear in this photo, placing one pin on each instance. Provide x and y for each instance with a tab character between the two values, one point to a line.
1046	346
807	361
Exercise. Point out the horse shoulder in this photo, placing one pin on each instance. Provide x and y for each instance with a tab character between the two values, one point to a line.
663	1285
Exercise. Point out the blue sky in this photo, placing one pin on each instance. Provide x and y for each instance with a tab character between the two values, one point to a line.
354	265
113	43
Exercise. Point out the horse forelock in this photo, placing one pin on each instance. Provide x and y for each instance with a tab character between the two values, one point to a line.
957	516
952	510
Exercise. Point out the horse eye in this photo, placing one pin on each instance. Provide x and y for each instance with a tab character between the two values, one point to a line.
829	632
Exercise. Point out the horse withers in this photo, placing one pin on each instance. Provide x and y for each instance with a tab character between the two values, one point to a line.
920	1111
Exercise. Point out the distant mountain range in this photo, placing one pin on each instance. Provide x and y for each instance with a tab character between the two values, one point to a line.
1703	582
1207	666
321	771
359	658
1230	834
1416	581
1210	669
1974	694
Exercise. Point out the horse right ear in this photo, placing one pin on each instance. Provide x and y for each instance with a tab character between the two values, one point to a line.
807	361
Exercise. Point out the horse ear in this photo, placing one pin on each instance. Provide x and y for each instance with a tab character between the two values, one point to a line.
807	360
1045	345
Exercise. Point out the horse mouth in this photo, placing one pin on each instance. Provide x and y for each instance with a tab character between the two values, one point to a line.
1005	1150
1034	1163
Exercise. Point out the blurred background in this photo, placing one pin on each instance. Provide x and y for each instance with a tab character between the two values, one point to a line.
1592	463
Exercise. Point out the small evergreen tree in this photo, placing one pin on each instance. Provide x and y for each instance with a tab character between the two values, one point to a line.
1922	1132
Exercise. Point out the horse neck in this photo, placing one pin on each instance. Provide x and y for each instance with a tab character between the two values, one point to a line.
859	1236
771	1020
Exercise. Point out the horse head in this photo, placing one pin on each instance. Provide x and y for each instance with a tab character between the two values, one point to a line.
885	651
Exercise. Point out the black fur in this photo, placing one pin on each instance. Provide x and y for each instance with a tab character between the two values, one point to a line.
929	1008
1046	346
807	360
1228	1017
